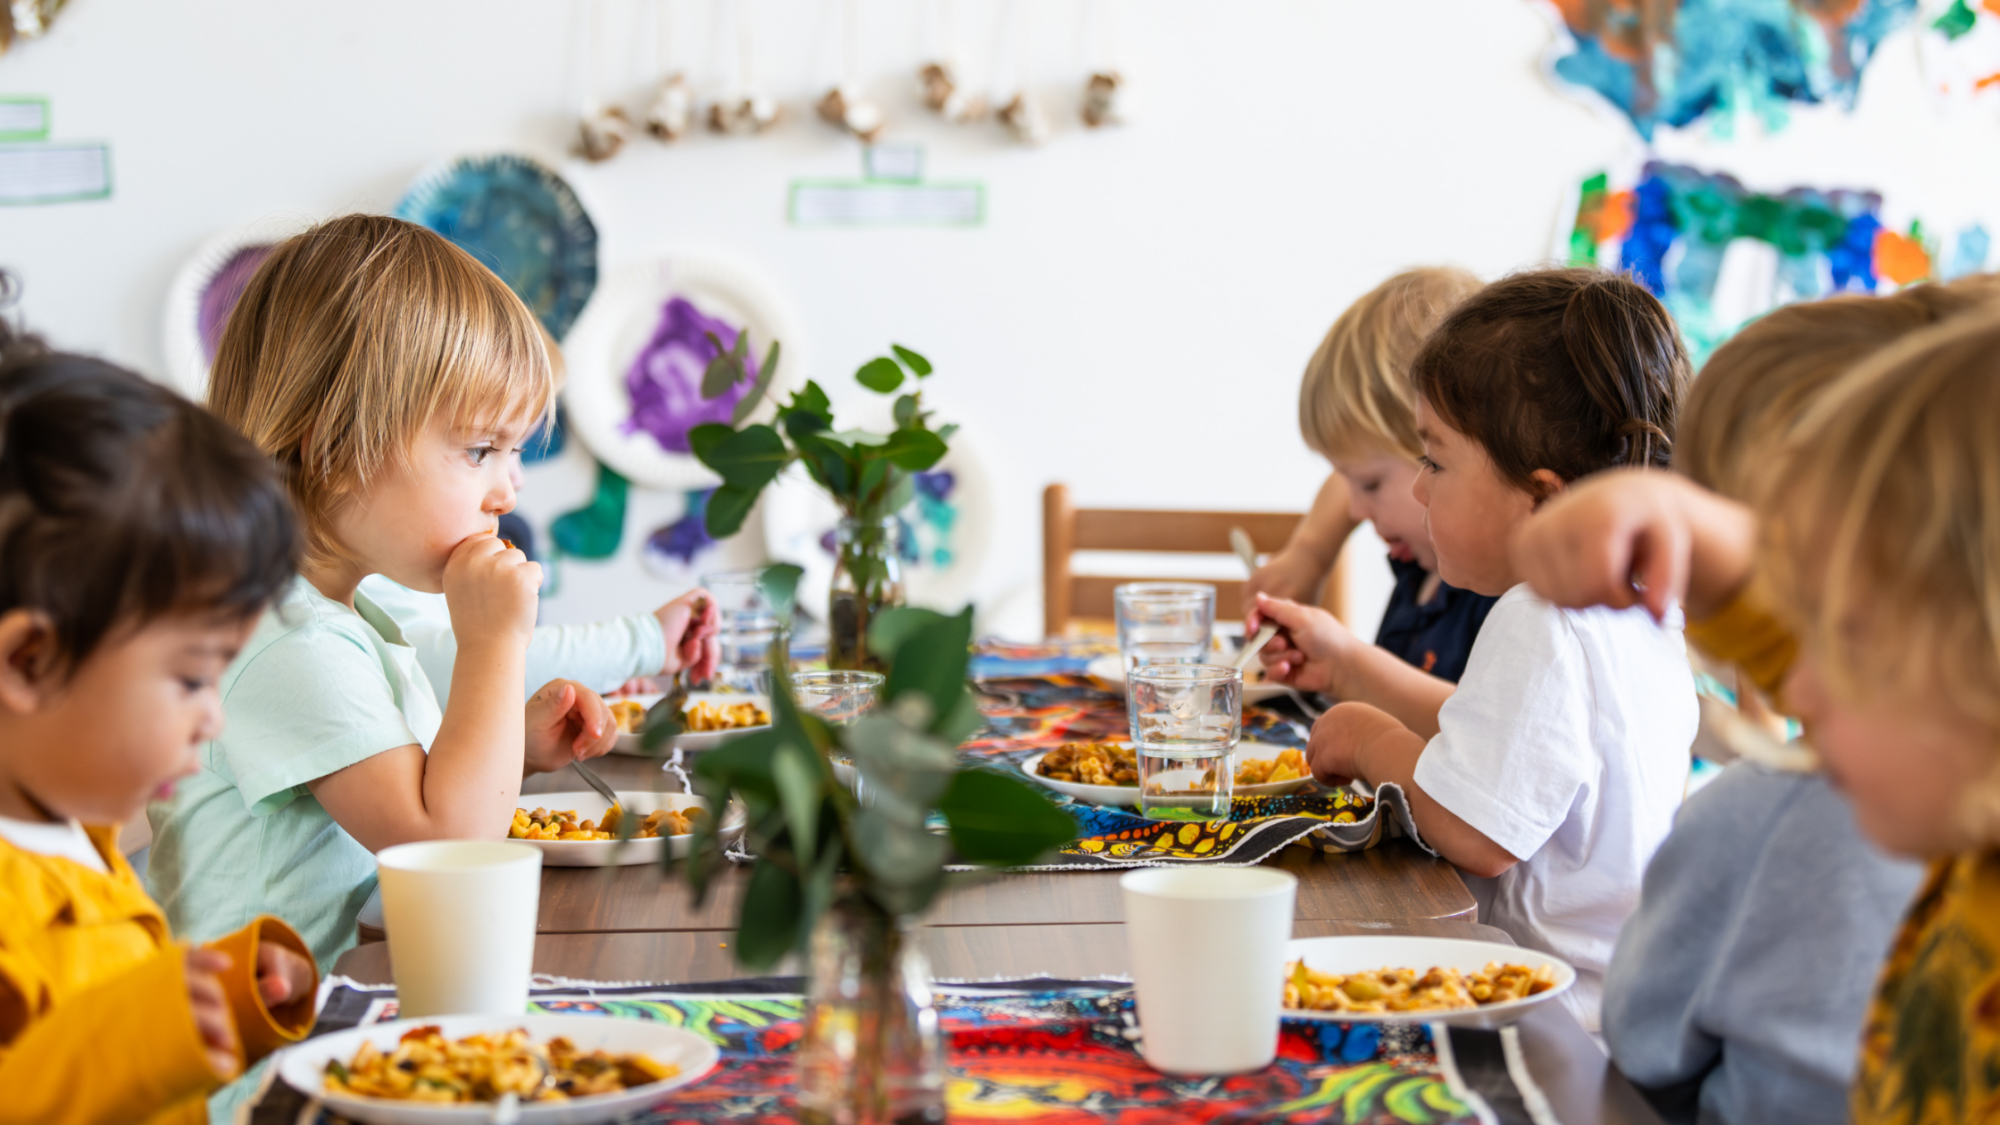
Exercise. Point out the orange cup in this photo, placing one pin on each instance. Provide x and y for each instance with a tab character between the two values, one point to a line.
261	1029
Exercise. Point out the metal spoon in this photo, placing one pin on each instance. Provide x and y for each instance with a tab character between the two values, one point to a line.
1257	642
590	775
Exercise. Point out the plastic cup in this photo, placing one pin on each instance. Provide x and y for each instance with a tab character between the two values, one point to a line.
461	922
1208	964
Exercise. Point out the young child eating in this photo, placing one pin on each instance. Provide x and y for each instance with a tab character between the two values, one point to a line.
1560	758
393	379
1874	553
139	540
1354	410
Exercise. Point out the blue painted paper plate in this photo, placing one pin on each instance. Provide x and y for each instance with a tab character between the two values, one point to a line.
521	219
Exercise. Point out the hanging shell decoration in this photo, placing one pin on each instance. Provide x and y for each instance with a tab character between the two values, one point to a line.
1024	120
858	116
26	19
671	111
1100	98
744	116
603	133
942	95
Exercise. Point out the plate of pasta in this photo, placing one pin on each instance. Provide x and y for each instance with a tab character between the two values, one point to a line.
1381	978
1107	773
709	719
582	830
554	1070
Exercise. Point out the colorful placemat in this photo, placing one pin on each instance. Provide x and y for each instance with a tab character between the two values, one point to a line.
1035	1052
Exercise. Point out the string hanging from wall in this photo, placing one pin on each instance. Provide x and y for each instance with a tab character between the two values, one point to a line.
671	110
942	91
605	127
843	106
1022	115
746	110
1103	90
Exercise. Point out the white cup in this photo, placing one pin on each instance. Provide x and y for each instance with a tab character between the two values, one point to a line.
461	922
1208	964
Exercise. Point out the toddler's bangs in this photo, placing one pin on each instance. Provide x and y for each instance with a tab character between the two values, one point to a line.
497	369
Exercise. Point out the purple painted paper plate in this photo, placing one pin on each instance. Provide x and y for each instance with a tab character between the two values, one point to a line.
205	290
637	354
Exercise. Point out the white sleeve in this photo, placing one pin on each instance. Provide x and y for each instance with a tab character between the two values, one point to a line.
1513	746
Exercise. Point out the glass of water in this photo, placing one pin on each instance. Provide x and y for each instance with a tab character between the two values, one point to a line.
838	698
1164	622
744	631
1186	722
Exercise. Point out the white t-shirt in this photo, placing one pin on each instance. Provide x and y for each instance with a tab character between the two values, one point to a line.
1566	743
64	839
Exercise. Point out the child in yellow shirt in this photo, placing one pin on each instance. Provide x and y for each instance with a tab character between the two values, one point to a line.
139	540
1876	544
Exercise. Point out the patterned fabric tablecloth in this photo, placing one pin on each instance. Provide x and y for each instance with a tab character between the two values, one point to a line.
1035	1052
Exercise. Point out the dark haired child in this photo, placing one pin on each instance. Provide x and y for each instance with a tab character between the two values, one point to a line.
1562	755
139	540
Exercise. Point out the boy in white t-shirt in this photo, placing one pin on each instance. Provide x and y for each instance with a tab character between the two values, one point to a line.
1562	755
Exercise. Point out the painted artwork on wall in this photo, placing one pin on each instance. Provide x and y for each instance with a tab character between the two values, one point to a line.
204	292
1673	62
1720	254
1959	43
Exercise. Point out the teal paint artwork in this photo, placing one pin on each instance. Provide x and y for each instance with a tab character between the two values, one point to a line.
594	530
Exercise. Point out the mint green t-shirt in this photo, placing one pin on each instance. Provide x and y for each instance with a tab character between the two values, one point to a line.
318	688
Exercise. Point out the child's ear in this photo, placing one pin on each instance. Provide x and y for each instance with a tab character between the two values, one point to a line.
27	659
1548	485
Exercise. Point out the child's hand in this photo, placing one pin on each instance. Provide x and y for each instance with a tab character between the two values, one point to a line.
567	722
690	624
211	1009
1287	574
1311	648
1338	738
282	975
1637	536
491	589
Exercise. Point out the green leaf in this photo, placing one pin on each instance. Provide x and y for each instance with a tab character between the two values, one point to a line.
724	370
728	507
780	585
874	471
915	450
812	400
662	725
945	431
905	770
703	439
750	458
896	624
768	926
998	821
912	360
748	403
906	410
880	375
896	852
827	460
796	771
799	423
931	661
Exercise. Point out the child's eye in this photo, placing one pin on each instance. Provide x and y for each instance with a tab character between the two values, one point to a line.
195	685
1426	464
479	454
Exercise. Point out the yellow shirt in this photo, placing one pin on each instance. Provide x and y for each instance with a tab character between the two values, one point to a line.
95	1022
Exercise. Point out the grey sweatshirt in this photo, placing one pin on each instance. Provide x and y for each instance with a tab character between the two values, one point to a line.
1736	992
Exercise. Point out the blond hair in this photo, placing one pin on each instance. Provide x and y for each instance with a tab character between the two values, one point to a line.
1355	398
352	339
1754	387
1881	522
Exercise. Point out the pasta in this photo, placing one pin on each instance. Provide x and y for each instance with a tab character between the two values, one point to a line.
1405	990
542	824
424	1066
1091	763
703	716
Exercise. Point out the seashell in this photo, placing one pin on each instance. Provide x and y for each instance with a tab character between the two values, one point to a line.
1024	120
743	116
1100	98
858	116
672	109
603	133
941	94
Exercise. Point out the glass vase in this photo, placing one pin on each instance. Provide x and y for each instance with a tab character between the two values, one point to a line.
867	578
871	1053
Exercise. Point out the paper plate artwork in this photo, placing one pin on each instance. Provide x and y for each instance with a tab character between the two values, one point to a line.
1676	62
637	355
671	550
521	220
204	292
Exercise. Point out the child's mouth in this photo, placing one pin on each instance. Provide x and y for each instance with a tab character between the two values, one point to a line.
1400	551
165	792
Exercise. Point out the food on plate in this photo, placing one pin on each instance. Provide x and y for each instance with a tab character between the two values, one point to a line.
561	824
708	715
629	715
1091	763
1289	765
1405	990
424	1066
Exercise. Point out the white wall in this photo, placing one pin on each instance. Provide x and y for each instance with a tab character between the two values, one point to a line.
1134	315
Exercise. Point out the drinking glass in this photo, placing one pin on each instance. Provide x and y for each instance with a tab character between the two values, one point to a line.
837	697
1164	622
744	631
1186	722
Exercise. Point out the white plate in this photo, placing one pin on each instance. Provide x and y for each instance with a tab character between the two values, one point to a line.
615	853
1363	953
304	1067
694	739
1128	795
1111	669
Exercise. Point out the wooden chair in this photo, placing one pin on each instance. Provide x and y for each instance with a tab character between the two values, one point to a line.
1067	597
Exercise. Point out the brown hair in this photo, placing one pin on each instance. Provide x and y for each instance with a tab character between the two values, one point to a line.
1355	397
1755	386
122	503
353	338
1880	524
1570	370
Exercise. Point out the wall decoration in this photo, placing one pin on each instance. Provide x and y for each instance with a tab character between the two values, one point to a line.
24	119
671	111
54	173
672	549
844	106
747	110
594	530
203	293
636	360
602	129
1719	254
1672	62
27	19
1960	47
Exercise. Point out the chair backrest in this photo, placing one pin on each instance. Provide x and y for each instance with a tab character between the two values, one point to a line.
1067	596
